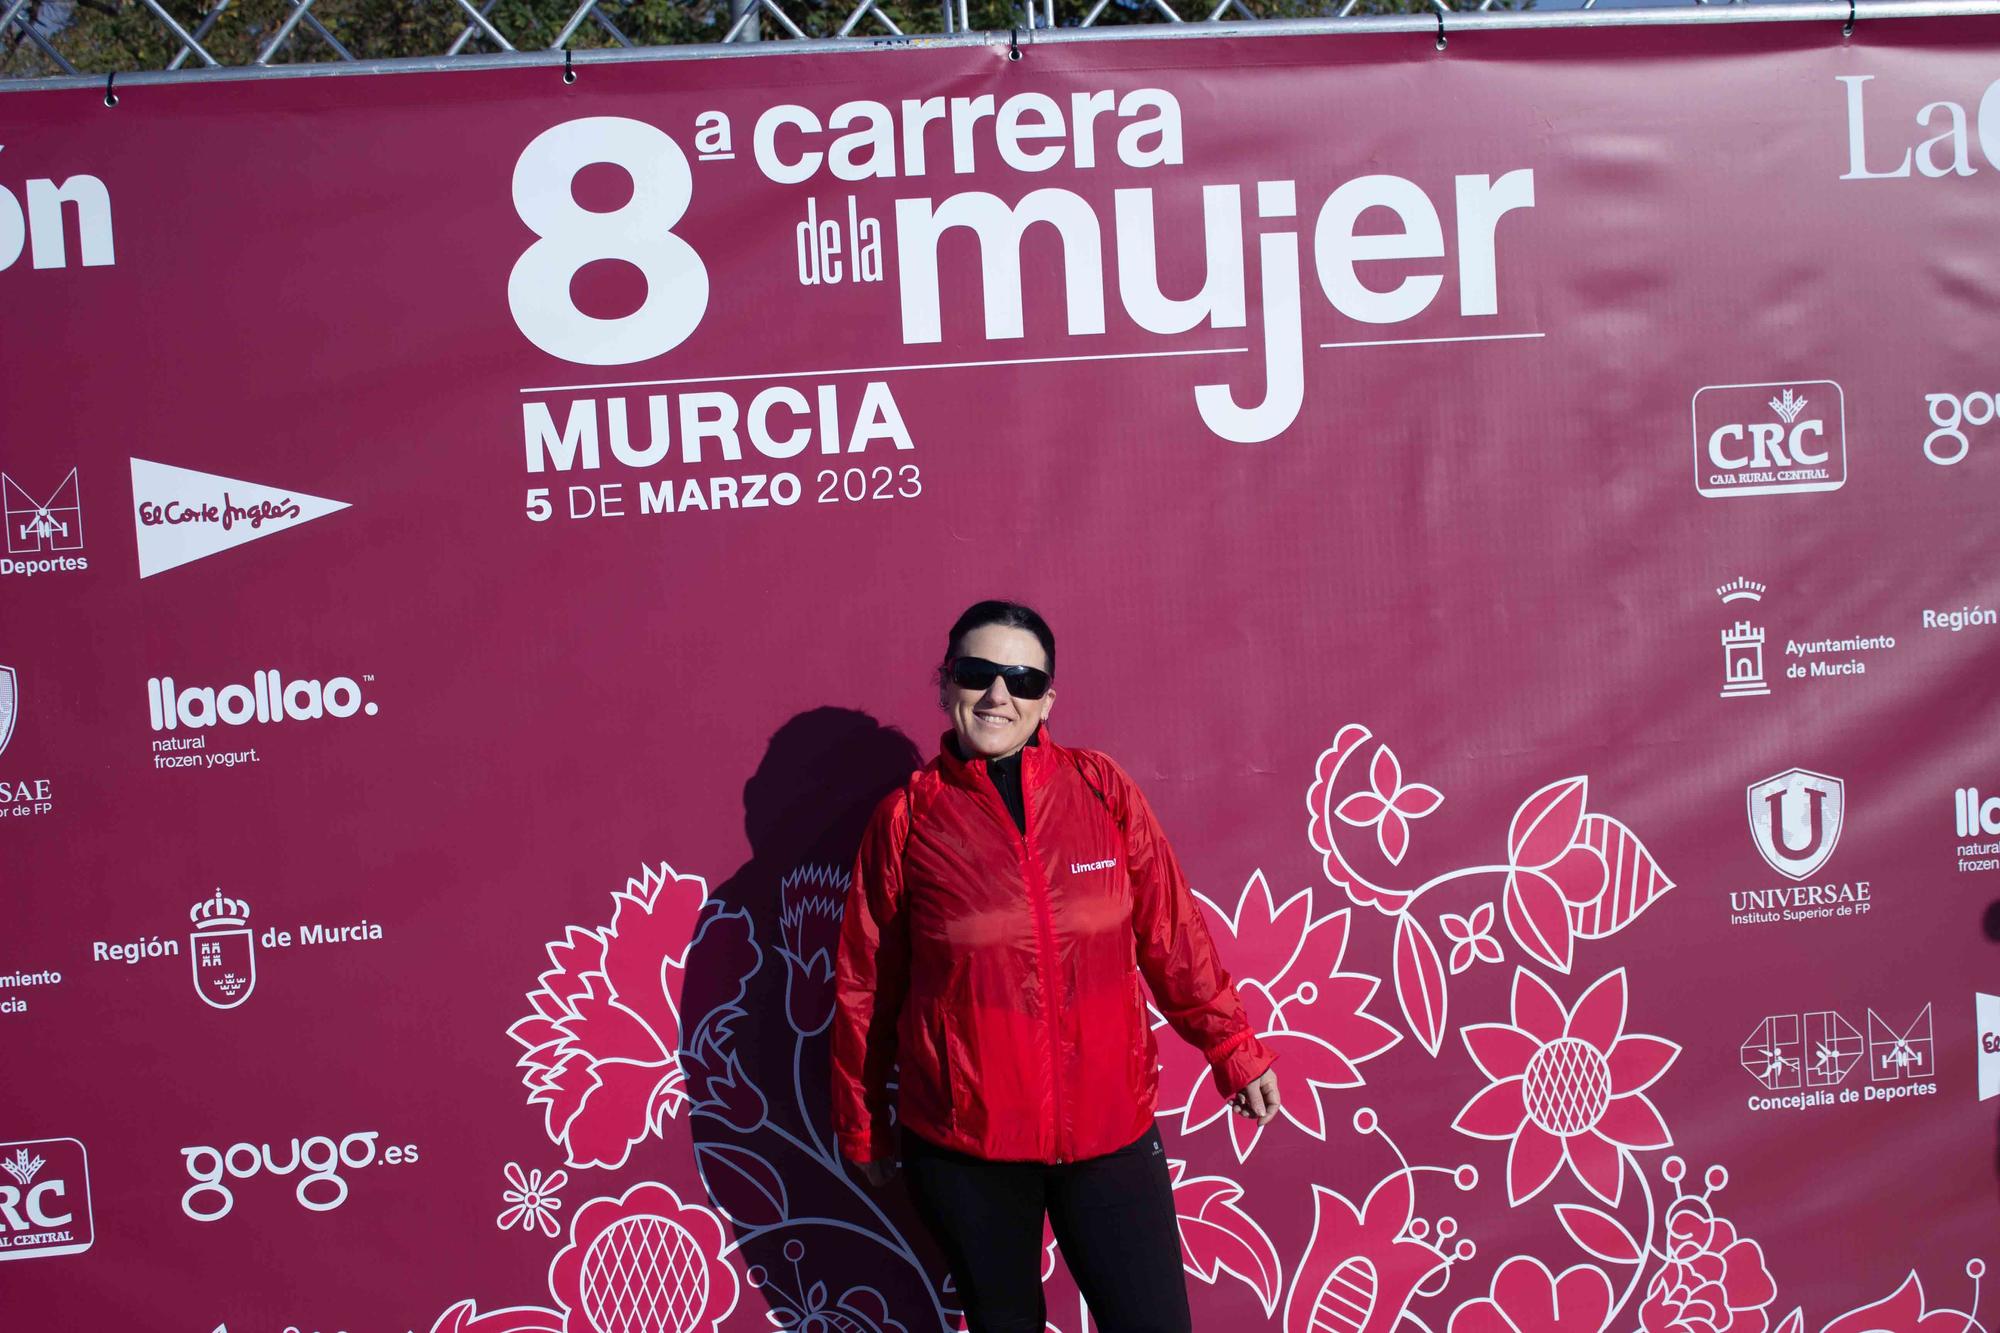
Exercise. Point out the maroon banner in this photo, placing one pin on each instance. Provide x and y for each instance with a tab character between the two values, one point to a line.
477	546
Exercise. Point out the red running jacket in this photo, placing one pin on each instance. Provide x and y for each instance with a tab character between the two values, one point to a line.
993	979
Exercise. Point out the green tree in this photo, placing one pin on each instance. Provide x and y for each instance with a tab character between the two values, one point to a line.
99	36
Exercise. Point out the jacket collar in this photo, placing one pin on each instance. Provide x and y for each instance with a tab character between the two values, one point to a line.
968	773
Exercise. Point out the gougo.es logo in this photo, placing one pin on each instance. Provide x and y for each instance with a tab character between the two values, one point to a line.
1950	413
321	1188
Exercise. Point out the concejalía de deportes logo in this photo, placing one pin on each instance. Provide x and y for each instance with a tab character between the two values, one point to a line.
44	528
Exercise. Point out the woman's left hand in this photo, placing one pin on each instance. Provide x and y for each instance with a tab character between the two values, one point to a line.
1259	1100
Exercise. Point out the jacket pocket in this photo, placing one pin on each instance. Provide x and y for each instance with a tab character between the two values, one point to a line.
1145	1053
941	1044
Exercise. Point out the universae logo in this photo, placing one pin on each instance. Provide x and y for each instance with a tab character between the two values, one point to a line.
1795	819
10	704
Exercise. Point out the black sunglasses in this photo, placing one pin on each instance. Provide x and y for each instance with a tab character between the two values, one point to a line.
976	673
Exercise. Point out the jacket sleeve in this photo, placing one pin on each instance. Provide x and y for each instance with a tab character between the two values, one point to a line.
1176	952
871	976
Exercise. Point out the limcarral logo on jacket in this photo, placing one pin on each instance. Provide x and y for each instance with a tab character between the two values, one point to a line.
1085	867
182	515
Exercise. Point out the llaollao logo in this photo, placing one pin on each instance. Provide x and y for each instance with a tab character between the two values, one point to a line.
267	697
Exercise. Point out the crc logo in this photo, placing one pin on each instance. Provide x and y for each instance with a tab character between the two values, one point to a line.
1950	414
572	236
1796	818
44	1199
1819	1049
1766	439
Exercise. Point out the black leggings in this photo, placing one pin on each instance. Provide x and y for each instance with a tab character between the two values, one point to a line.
1113	1218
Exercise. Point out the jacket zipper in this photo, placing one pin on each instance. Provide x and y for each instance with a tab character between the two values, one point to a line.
1038	890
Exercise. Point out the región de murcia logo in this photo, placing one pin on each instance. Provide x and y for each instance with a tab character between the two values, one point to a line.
222	946
224	951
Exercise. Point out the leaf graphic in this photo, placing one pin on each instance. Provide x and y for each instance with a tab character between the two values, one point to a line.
747	1188
1538	918
1222	1237
1631	886
1546	823
1420	983
1601	1235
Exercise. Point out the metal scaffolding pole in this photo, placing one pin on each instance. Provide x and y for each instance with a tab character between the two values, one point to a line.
1044	20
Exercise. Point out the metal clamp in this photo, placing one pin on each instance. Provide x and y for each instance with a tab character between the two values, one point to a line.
569	65
1847	29
1440	19
110	98
1013	43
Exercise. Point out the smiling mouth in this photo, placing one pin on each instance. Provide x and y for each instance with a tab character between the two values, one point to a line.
994	719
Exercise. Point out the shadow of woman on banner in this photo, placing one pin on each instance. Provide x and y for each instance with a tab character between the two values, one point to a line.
821	1248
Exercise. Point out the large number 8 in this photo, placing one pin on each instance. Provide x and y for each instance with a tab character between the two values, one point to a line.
640	233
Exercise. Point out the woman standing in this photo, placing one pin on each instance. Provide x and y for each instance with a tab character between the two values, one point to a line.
1005	907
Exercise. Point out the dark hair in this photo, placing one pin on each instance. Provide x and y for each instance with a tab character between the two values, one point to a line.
981	614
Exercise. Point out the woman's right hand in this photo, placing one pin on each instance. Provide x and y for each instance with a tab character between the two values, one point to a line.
877	1174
